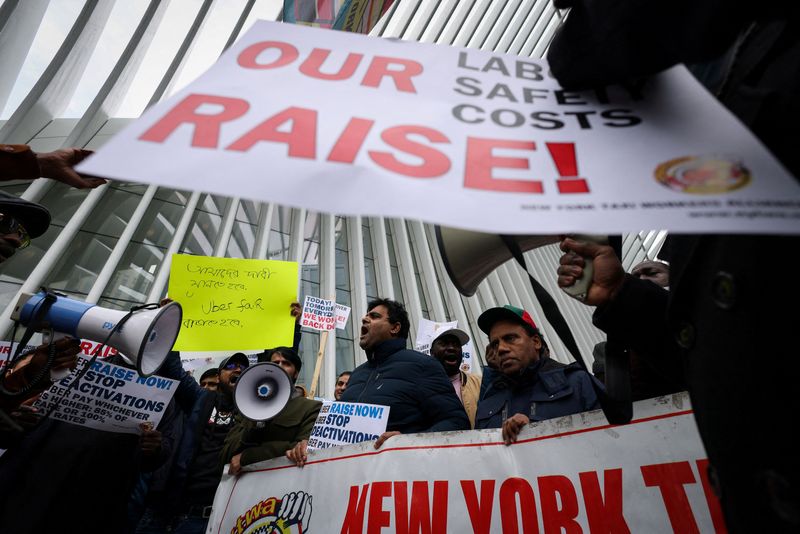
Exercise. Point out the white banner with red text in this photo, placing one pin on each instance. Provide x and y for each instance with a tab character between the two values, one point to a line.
572	474
356	125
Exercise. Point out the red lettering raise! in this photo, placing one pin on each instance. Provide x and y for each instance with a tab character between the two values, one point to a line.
553	489
714	507
354	518
670	478
302	138
248	59
420	520
509	490
481	161
604	509
380	67
480	512
434	163
378	517
350	142
311	67
206	125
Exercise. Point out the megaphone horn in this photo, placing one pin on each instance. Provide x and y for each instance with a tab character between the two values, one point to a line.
469	257
262	391
144	340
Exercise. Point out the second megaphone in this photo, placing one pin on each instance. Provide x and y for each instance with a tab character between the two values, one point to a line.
469	256
144	340
262	391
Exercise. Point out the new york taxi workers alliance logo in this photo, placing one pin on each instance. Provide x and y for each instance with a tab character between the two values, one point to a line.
291	514
703	175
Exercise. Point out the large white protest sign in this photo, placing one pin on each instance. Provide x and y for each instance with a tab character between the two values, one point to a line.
341	423
461	137
572	474
109	397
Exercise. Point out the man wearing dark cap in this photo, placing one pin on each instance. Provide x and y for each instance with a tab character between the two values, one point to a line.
447	347
210	379
531	386
21	221
250	442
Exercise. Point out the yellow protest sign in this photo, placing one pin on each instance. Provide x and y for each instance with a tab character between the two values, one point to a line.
233	304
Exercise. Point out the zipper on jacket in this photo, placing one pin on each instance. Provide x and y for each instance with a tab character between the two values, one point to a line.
372	378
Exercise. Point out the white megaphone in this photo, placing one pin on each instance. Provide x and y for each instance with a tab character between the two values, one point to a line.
144	340
469	256
262	391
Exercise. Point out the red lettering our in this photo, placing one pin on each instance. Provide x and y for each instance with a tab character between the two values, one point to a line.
279	54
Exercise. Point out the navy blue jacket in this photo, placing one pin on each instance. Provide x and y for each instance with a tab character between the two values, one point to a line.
197	403
414	385
539	393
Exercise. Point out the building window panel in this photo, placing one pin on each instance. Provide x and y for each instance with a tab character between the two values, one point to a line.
371	278
7	292
345	358
242	240
136	272
77	270
158	224
366	233
202	234
278	248
248	211
172	195
111	216
19	266
62	201
342	270
282	220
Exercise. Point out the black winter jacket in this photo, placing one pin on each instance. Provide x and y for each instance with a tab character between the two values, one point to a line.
413	385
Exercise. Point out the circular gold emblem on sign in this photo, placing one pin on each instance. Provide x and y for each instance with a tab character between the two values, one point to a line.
703	175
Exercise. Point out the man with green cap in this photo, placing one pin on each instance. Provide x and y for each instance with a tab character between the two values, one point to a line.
530	386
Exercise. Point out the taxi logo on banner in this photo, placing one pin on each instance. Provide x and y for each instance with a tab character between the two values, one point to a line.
703	175
290	514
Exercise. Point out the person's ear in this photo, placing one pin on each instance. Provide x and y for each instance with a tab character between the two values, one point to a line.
395	329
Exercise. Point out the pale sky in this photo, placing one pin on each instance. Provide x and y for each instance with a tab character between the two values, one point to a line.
125	15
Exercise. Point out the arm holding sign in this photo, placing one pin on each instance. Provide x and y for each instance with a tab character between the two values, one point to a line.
189	391
247	444
28	375
19	162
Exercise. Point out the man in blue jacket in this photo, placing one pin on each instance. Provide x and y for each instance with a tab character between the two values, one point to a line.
412	384
530	386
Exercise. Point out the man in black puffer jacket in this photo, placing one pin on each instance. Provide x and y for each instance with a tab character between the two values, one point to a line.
412	384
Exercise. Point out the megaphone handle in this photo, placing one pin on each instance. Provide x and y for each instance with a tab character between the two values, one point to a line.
51	337
580	289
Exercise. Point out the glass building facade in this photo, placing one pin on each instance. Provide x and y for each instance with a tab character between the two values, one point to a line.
93	66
